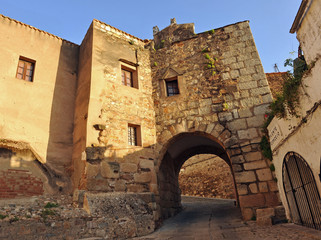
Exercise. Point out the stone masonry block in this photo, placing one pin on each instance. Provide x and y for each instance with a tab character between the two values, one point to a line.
237	159
264	216
242	189
146	164
256	121
92	170
247	70
264	174
143	177
267	98
253	188
250	102
245	112
245	177
135	188
237	124
263	187
128	167
210	127
225	116
255	200
260	91
255	165
273	186
109	169
237	168
271	199
261	110
217	130
234	74
247	213
247	85
247	134
253	156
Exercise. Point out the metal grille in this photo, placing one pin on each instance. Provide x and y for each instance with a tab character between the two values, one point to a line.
301	191
172	87
132	136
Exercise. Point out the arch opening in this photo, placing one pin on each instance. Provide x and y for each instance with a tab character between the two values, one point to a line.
178	150
301	192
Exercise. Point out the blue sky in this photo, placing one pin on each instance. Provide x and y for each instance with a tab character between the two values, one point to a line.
270	21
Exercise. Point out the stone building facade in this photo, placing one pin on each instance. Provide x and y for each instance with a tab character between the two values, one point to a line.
295	141
121	114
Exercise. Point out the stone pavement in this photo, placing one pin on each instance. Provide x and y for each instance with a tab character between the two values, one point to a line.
220	219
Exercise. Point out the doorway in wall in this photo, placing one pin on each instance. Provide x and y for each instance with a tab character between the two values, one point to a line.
301	191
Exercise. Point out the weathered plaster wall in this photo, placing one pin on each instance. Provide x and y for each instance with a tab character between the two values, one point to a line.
40	112
228	105
309	34
298	135
81	109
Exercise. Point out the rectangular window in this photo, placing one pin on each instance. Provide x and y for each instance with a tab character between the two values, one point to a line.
172	86
127	77
134	135
26	68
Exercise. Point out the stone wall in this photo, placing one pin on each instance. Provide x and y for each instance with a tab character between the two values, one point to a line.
223	93
110	163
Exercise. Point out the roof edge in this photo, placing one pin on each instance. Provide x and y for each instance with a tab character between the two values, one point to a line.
298	17
139	39
37	29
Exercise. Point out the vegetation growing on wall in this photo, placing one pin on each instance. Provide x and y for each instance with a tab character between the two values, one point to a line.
287	101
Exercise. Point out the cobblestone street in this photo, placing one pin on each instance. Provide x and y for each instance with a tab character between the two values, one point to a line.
220	219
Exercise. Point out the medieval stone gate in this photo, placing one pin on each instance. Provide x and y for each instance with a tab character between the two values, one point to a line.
140	108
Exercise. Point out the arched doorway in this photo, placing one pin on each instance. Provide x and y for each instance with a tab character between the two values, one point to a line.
301	191
179	149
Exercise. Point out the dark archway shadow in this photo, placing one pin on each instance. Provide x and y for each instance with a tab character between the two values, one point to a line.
178	150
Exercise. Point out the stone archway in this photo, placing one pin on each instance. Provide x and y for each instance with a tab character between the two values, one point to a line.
179	149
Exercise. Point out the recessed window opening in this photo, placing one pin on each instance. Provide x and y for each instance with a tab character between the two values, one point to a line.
172	86
127	77
26	68
134	135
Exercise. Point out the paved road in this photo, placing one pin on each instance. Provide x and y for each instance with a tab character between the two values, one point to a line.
220	219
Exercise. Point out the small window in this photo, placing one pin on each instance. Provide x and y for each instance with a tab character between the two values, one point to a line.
26	68
129	74
127	77
134	135
172	86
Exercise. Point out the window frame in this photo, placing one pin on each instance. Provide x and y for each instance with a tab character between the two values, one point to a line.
125	72
137	135
171	80
131	68
27	63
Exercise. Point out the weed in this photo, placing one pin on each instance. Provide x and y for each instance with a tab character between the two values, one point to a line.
272	167
15	219
212	31
3	216
51	205
265	147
